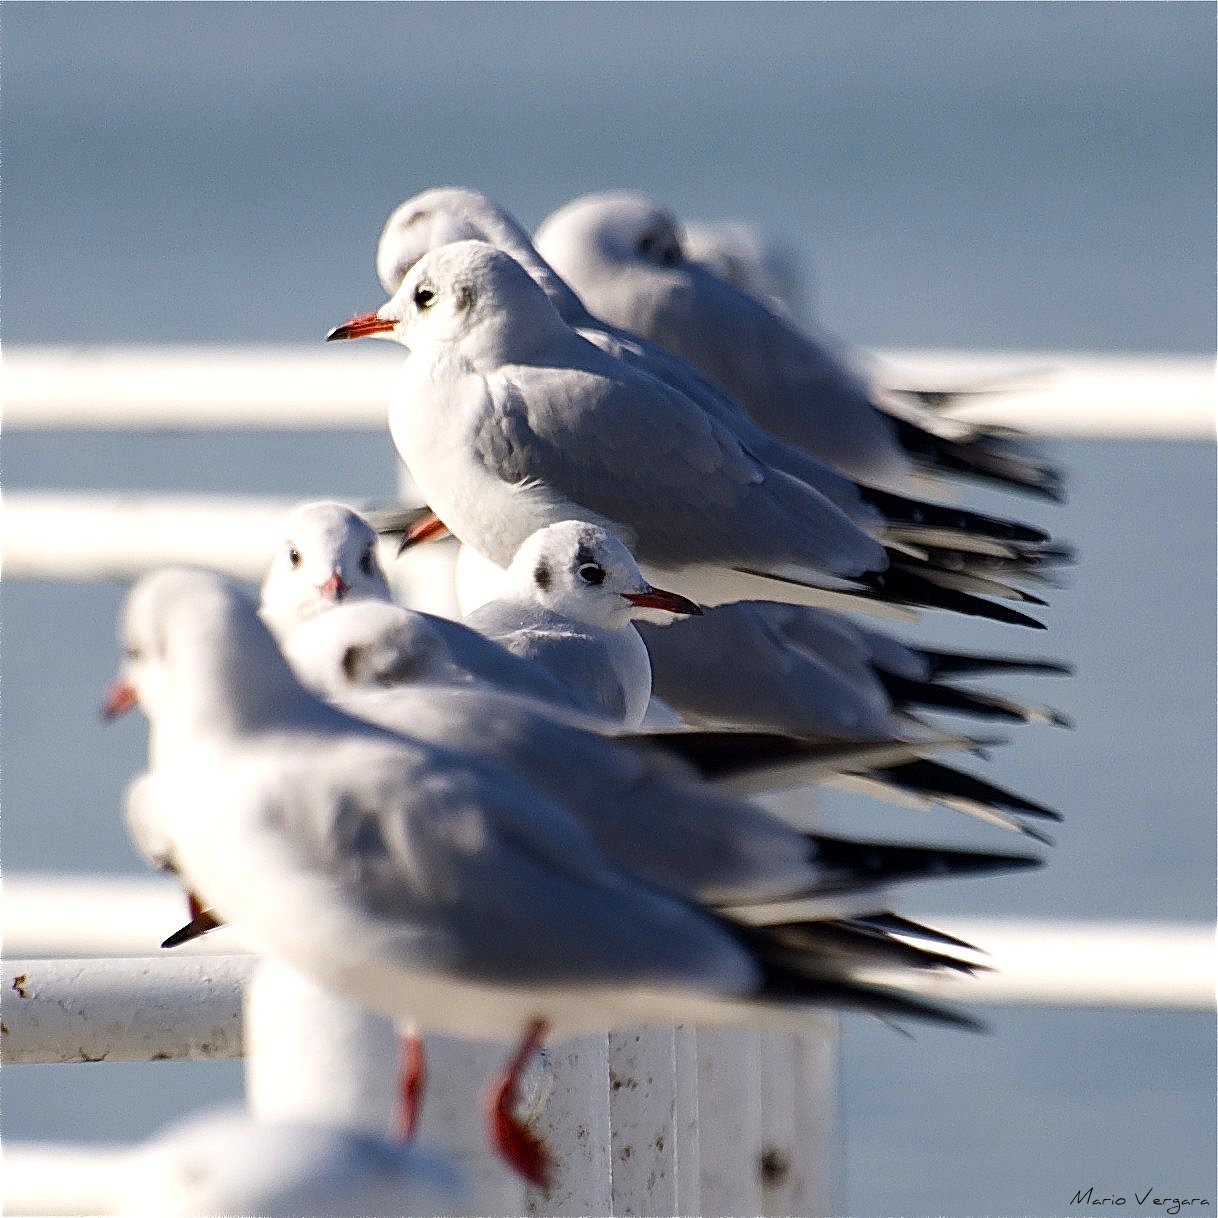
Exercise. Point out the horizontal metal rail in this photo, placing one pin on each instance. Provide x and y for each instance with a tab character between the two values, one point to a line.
311	387
81	536
128	1010
1099	964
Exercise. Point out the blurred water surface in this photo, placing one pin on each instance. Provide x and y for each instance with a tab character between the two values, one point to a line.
1015	176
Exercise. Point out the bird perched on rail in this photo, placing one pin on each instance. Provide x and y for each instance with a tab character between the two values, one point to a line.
432	884
622	253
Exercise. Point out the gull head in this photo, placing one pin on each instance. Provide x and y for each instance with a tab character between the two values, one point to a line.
585	573
609	231
367	645
196	658
325	556
447	214
439	217
470	298
752	260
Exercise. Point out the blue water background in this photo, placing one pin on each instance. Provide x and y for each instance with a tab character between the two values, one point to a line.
1014	176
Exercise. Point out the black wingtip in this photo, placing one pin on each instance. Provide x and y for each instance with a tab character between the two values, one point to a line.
989	458
933	778
881	1001
901	509
935	695
963	663
899	583
885	861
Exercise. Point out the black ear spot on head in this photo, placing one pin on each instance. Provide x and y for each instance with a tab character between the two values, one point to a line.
543	576
353	663
465	296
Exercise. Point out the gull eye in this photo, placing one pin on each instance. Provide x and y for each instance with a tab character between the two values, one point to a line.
293	557
134	654
365	561
423	298
591	573
655	248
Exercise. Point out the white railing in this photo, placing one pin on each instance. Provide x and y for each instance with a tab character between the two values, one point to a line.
313	387
1143	965
678	1122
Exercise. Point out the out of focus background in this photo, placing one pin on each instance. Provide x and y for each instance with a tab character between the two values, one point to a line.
978	176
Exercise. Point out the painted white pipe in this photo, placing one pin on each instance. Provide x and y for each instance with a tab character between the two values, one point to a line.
1067	393
313	1056
46	914
123	1010
300	387
1101	963
315	387
1140	965
1066	963
82	536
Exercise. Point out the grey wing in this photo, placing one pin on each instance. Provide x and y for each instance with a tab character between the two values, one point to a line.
482	655
465	863
770	667
644	809
573	656
684	490
793	385
685	376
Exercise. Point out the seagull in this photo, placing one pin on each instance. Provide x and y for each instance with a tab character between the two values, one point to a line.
568	603
509	420
433	885
447	214
623	253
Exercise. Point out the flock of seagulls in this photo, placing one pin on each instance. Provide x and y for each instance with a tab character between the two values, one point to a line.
536	821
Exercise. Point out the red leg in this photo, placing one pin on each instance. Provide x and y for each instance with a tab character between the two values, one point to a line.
523	1151
410	1086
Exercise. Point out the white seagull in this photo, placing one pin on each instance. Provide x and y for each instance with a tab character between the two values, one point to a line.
446	214
622	252
430	883
509	420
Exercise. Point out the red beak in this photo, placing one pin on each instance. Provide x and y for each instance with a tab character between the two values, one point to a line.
120	698
657	598
335	588
361	326
426	528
